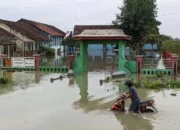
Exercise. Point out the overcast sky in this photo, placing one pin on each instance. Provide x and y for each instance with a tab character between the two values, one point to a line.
64	14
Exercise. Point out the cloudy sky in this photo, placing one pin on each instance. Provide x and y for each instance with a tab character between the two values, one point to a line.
64	14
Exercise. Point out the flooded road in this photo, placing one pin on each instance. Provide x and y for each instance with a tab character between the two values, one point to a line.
79	103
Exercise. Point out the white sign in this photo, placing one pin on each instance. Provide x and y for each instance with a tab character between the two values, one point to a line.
29	62
17	62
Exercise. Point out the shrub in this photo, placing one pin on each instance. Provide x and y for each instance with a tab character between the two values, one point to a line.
4	80
46	51
157	83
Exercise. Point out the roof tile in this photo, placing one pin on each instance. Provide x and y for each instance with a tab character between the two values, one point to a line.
44	27
4	32
26	30
78	29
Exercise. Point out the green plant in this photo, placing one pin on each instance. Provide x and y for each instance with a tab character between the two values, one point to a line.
160	75
4	80
46	51
157	83
135	22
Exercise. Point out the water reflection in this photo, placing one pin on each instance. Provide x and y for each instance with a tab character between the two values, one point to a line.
19	80
133	122
71	82
21	76
103	104
85	102
82	81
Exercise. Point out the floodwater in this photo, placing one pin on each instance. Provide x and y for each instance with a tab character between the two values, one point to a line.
32	102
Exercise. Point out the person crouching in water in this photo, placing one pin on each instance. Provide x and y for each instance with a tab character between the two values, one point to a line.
133	94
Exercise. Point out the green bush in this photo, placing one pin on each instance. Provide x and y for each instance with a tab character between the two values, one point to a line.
46	51
160	75
157	83
4	80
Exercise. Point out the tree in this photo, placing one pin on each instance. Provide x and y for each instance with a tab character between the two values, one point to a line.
70	42
138	20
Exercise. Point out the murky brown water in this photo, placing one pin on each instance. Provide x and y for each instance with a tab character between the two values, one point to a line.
79	104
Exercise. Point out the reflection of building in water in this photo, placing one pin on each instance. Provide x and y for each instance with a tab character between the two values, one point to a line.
8	75
85	102
19	77
82	82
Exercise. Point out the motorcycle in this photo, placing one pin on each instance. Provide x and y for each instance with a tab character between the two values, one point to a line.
145	106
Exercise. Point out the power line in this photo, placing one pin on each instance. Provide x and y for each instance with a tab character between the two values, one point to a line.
163	15
67	4
79	3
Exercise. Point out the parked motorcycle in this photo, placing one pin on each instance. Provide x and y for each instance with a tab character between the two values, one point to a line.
145	106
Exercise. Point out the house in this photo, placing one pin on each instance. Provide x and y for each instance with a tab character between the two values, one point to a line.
28	38
54	34
7	43
30	35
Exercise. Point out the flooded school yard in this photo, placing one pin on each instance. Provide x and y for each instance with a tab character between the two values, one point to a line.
32	102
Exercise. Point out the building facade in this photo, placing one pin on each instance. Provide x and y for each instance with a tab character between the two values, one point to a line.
28	39
54	34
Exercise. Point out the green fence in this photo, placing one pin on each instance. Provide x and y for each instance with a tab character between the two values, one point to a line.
62	69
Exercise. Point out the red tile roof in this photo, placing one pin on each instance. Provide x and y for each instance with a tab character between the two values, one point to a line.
44	27
26	30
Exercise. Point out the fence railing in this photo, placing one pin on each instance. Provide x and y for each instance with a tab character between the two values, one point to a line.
154	63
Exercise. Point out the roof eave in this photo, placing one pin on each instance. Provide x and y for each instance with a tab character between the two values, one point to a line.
102	38
57	35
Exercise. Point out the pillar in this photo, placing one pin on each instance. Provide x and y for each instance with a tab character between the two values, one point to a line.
175	64
24	49
71	61
36	61
0	49
139	63
121	58
34	48
1	59
8	51
82	60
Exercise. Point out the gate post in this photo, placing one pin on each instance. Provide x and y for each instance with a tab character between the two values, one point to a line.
139	63
175	64
36	61
121	59
71	61
82	59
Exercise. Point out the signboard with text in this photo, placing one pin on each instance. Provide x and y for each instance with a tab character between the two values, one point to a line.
18	62
29	62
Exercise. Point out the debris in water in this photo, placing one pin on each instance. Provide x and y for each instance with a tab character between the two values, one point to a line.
173	94
104	81
70	73
120	74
